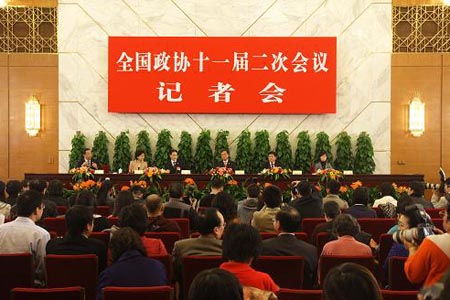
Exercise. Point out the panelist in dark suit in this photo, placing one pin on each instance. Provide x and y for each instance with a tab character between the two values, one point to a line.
287	221
226	162
174	165
87	160
79	220
271	161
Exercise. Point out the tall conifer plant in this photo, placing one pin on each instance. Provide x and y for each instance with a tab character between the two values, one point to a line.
303	154
364	156
344	155
143	143
163	147
262	148
185	150
203	152
77	151
122	152
100	149
221	144
284	150
244	151
323	144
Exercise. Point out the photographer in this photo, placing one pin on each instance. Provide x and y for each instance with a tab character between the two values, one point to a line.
416	190
439	200
429	261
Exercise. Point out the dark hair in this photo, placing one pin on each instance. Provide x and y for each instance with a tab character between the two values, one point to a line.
124	198
217	284
102	194
13	188
323	152
135	189
447	181
345	224
272	152
331	209
172	151
135	217
86	198
289	219
304	188
414	219
77	218
386	189
224	202
418	188
24	183
350	281
271	196
361	196
37	185
216	183
153	203
241	243
55	188
138	153
2	190
208	220
28	202
123	240
176	190
226	150
334	186
86	150
404	201
253	190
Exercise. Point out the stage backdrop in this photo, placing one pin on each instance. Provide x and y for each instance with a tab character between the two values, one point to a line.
364	42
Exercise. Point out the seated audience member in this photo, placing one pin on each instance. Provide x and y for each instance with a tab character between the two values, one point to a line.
246	207
215	284
216	187
402	203
131	267
23	236
124	198
106	194
387	195
210	225
350	281
306	202
416	191
87	161
174	165
287	222
13	188
87	198
40	186
176	208
441	201
225	161
332	189
360	208
323	163
5	208
135	217
428	261
346	227
157	222
55	191
25	187
224	203
242	245
138	194
79	222
138	163
263	219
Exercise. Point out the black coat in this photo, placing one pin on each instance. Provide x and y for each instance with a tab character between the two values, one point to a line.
231	164
174	169
81	162
267	165
308	206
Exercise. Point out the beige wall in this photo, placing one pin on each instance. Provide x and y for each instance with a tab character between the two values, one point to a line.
21	76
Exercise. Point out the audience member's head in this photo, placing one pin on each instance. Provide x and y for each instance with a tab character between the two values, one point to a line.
361	196
2	190
224	202
176	190
216	185
137	191
404	201
386	189
25	185
13	188
211	221
124	198
55	188
331	210
416	189
103	192
350	281
30	204
123	240
241	243
38	185
253	191
79	220
345	224
135	217
409	217
272	196
333	187
154	205
304	188
86	198
215	284
287	220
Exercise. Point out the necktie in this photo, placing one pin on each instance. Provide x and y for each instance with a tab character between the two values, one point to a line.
272	165
173	163
225	163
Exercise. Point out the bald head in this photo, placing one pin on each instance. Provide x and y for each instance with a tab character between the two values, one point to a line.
154	205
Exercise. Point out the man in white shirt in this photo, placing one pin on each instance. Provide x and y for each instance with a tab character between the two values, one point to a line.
23	235
387	192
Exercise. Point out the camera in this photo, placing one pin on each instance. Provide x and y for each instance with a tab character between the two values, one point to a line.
417	234
432	186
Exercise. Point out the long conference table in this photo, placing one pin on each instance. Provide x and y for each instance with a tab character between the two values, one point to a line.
203	179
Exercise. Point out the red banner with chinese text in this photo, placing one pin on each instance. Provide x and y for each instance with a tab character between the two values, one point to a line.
245	75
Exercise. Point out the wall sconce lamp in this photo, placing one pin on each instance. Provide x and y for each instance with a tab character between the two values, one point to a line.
3	3
32	116
416	117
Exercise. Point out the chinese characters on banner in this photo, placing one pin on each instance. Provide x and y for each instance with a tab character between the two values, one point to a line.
252	75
